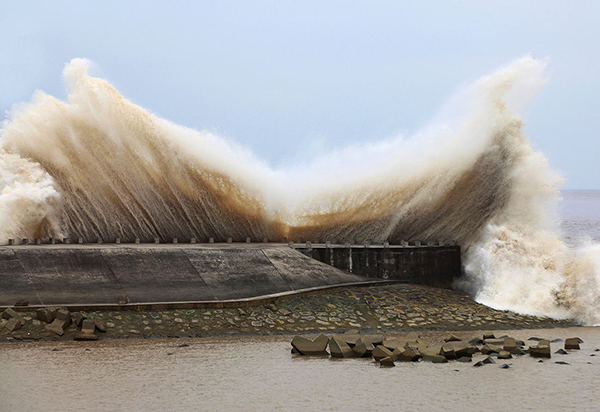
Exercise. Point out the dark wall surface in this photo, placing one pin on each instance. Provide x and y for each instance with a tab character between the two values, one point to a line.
436	266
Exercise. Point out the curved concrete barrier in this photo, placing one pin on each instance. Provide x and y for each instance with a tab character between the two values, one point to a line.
138	275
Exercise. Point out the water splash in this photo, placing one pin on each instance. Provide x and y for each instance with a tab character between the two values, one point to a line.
100	166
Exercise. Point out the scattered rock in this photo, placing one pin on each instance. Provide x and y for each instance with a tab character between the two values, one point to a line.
79	318
10	313
339	348
60	323
562	363
541	350
14	323
88	328
504	355
381	352
435	359
476	341
386	362
464	359
572	343
561	352
489	360
407	355
307	347
487	349
504	366
452	338
363	348
100	327
46	314
488	335
478	364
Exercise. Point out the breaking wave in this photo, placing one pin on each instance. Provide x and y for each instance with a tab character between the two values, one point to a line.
100	166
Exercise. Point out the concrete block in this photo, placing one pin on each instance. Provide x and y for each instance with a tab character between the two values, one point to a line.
248	240
25	241
66	240
52	241
404	243
417	243
10	313
441	243
36	241
99	240
80	317
307	347
174	240
80	240
211	240
284	240
229	240
11	242
193	240
118	240
339	348
156	240
572	343
386	362
265	240
13	324
46	315
308	244
137	240
328	244
291	244
386	244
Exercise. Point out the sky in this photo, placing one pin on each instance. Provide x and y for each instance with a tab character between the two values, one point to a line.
289	79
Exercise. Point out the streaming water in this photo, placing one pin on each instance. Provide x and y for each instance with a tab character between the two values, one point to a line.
260	374
98	165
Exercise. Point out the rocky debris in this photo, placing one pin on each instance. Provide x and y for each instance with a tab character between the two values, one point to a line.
79	318
541	350
452	338
435	359
504	354
100	326
308	347
407	355
464	359
60	323
561	352
363	348
387	362
572	343
476	341
504	366
488	336
489	360
87	331
562	363
381	352
339	348
487	349
14	323
46	315
478	364
10	313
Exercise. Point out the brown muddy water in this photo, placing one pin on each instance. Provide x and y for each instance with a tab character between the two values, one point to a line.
260	374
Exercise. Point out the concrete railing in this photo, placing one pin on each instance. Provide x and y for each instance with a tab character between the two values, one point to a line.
194	240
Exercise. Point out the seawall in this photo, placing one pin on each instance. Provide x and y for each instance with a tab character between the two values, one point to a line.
431	265
144	276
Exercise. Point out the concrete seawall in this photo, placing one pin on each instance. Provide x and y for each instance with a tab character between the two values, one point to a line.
108	275
436	266
139	276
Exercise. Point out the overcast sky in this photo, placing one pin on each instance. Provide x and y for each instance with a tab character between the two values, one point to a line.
289	77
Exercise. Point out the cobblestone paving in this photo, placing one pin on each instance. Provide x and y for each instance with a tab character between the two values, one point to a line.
391	308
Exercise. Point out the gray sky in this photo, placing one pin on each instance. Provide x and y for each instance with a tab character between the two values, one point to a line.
289	77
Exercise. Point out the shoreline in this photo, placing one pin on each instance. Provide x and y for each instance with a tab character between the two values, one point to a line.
397	308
